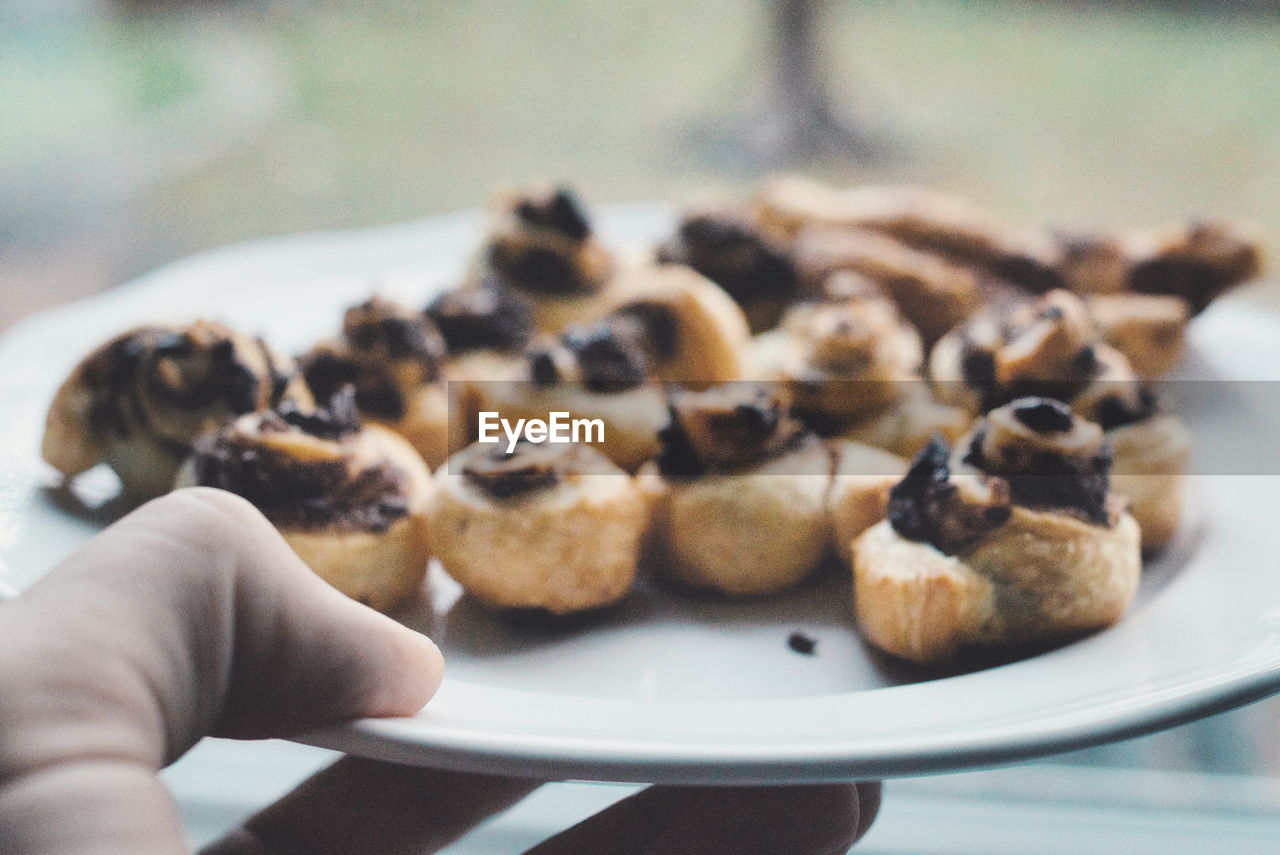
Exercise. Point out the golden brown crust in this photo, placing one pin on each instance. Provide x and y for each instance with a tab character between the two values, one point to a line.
1151	462
859	494
394	358
1045	577
749	533
565	547
1149	329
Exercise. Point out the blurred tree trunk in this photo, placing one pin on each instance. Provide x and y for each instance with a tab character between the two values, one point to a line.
799	120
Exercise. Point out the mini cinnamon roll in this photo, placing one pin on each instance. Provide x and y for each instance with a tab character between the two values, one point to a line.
728	248
137	402
932	292
923	219
349	498
691	330
1050	347
738	492
542	246
853	370
554	527
601	372
394	359
1195	261
1013	538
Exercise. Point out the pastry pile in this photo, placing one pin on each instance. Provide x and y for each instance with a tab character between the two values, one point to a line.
958	409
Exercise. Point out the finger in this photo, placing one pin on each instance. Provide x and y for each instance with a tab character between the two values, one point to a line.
869	793
364	806
801	820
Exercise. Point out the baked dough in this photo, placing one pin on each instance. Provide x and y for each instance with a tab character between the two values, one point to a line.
1051	347
138	401
750	264
738	493
1012	539
540	244
394	358
859	494
554	527
351	500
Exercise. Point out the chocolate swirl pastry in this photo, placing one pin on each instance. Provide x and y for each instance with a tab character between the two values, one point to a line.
554	527
485	317
1194	261
1012	538
945	225
679	327
738	492
138	401
1051	347
731	250
393	357
349	498
853	369
542	246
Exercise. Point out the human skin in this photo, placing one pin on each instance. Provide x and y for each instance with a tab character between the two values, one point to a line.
192	617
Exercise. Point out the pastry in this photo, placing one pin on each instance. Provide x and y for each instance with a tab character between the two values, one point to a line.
680	328
350	499
1149	329
752	266
932	292
859	494
853	370
541	245
1194	261
738	492
138	401
394	359
1013	538
1050	347
549	526
917	217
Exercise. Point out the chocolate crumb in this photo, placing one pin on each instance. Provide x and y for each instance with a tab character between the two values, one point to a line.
802	644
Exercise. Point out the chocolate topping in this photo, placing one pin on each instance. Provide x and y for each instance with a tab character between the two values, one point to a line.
308	492
386	352
384	330
488	316
529	467
608	357
544	246
1033	453
730	250
560	212
927	506
727	428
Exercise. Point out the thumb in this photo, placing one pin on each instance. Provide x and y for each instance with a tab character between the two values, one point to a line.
190	616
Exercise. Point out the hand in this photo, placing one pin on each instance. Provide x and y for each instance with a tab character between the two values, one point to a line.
192	617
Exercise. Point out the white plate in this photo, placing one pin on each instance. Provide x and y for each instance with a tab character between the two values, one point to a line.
682	689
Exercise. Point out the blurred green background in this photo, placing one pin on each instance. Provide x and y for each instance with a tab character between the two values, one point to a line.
134	133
